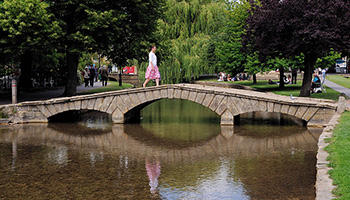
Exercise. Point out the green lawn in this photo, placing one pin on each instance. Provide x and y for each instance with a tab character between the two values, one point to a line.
340	80
112	86
339	151
263	85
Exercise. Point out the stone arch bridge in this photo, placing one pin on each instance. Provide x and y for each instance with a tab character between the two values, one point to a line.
125	105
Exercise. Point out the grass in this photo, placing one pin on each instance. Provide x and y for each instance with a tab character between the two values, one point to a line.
340	80
112	86
290	89
339	150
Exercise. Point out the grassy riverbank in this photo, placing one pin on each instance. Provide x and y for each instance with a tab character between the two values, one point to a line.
290	89
339	150
112	86
340	80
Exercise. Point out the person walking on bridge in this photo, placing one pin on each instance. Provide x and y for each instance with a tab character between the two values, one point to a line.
152	71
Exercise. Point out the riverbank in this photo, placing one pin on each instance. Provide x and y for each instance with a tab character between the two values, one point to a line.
289	90
339	157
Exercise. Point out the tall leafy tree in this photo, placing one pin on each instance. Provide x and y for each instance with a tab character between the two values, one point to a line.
290	27
26	29
230	58
118	29
185	36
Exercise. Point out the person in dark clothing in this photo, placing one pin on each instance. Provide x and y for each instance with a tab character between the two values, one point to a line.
92	75
104	75
86	76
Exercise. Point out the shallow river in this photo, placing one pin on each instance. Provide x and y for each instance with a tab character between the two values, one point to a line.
178	151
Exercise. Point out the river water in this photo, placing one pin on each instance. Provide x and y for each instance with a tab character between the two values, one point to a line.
178	151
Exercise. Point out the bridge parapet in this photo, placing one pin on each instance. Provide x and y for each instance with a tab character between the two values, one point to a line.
226	102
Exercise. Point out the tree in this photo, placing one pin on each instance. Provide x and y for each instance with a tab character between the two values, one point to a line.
26	29
185	33
117	29
292	27
230	57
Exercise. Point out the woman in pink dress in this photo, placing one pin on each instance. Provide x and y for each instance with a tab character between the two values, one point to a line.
152	71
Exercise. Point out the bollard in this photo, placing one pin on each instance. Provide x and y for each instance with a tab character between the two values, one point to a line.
341	103
14	91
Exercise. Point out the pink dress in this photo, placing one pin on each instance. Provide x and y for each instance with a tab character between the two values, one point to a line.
152	73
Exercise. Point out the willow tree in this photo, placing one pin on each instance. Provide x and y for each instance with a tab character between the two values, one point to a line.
185	33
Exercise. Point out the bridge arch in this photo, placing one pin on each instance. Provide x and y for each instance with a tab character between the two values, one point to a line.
226	102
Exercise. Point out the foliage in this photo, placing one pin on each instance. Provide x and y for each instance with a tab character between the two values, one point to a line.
85	60
291	27
27	29
327	61
340	157
185	35
230	58
117	29
26	25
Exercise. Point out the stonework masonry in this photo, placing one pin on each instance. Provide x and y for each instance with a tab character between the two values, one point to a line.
226	102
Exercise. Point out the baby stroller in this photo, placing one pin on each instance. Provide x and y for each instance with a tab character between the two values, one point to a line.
316	87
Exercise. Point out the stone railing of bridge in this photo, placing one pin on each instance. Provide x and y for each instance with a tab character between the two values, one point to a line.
124	105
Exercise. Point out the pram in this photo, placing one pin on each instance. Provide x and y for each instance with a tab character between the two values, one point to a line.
316	87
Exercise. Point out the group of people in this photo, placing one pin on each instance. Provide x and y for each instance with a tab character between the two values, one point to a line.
92	74
239	77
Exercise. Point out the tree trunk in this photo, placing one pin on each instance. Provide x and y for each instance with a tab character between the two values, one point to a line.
72	67
26	70
281	86
254	79
309	63
294	76
120	76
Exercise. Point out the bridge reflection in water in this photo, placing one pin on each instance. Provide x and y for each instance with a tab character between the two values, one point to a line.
249	175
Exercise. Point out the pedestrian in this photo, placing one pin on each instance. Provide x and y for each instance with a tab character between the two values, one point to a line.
92	75
104	75
96	73
86	76
323	75
152	71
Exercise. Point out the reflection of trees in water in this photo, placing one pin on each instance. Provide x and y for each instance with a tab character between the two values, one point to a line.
292	174
178	111
117	141
79	129
173	139
270	118
254	165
